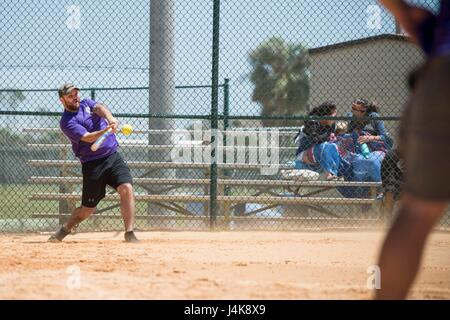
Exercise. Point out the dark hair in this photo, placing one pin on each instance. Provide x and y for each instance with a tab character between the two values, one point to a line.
325	109
369	105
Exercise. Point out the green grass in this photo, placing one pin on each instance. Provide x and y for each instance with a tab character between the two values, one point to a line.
15	202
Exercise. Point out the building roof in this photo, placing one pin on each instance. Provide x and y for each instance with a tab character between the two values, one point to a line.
386	36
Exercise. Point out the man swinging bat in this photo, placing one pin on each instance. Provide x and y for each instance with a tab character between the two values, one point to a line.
84	122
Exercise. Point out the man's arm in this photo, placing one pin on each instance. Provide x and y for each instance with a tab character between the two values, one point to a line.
91	137
102	111
410	17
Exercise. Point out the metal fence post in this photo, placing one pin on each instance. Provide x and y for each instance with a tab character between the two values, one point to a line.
214	114
226	115
226	103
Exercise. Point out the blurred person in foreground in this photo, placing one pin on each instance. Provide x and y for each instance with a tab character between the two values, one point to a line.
424	137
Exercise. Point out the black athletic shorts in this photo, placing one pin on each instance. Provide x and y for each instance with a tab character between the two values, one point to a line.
111	170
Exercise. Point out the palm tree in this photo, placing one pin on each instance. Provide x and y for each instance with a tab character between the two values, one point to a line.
9	100
281	79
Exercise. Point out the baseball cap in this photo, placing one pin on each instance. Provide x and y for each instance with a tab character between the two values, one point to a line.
66	88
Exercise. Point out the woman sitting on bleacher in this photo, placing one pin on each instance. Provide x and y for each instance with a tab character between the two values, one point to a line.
366	166
317	150
370	129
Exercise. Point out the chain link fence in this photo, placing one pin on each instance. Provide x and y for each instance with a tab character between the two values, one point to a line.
225	98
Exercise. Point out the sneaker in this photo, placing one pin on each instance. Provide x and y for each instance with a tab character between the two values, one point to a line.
130	237
59	235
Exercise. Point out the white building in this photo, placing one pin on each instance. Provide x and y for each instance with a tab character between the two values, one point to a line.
375	68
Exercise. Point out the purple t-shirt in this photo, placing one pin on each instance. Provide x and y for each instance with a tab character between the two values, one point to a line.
434	32
442	31
77	124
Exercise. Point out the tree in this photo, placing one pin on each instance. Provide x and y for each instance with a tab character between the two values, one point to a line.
11	139
281	80
11	99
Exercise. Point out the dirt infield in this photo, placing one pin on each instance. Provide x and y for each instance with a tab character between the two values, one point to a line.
207	265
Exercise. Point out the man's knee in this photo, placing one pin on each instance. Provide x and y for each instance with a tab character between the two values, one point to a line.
422	211
125	190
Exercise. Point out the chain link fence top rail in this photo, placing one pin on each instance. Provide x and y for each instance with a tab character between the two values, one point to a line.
217	92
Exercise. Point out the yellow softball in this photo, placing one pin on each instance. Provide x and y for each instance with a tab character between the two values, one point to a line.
127	129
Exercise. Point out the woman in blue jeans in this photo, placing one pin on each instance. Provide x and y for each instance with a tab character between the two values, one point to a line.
317	149
365	127
370	129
